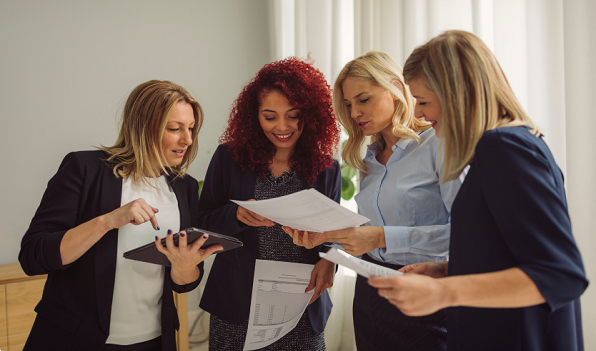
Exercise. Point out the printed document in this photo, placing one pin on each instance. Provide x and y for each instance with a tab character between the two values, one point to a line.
362	267
306	210
278	301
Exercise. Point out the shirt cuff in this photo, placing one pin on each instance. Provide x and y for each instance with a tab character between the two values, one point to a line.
397	240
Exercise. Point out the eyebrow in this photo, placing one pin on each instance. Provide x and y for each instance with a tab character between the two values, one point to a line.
180	123
355	97
267	110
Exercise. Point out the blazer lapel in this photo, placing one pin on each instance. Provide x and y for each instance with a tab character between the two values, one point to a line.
179	188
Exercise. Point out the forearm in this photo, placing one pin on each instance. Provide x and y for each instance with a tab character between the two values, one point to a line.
510	288
81	238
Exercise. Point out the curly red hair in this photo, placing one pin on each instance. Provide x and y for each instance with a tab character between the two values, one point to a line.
305	87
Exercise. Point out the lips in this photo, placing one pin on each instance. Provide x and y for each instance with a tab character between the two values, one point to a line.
362	125
283	137
179	153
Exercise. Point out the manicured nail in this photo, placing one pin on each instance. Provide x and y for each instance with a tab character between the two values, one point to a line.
157	227
156	210
156	238
182	235
169	231
204	236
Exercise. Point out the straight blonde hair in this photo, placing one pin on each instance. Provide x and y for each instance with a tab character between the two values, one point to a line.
380	70
138	151
474	93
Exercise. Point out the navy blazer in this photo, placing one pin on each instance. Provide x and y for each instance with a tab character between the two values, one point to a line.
74	311
229	285
511	211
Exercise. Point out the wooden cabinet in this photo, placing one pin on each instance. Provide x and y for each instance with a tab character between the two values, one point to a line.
19	294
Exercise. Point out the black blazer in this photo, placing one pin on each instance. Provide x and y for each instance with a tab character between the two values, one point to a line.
74	311
229	285
511	211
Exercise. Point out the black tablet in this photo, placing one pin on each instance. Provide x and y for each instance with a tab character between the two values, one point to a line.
149	253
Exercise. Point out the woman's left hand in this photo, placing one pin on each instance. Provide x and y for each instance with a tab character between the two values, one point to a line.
185	258
321	278
413	294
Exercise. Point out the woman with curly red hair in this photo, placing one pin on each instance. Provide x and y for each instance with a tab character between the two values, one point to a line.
280	139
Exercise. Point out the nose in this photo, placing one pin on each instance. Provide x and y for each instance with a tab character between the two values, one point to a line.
186	138
354	113
418	111
282	124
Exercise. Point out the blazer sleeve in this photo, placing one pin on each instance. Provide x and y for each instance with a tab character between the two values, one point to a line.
216	212
56	214
530	211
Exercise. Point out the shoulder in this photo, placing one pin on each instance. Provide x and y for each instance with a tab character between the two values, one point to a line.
512	147
90	159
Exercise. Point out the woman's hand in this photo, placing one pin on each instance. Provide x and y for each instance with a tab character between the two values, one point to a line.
359	240
252	219
135	212
321	278
185	258
431	269
413	294
306	239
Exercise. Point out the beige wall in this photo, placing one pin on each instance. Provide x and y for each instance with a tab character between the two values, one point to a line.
580	95
67	67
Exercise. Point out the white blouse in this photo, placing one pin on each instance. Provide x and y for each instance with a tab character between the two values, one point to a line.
138	289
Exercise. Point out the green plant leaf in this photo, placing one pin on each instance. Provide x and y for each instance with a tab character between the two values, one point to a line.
347	171
347	188
343	144
201	182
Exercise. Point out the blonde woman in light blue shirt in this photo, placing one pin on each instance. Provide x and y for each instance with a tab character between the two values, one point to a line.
409	210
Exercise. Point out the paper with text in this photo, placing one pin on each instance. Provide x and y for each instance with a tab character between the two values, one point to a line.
307	210
362	267
278	301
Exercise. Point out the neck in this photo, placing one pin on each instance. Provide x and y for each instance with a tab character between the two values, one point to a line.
389	138
282	155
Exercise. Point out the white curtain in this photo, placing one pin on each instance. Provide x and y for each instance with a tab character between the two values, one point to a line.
546	47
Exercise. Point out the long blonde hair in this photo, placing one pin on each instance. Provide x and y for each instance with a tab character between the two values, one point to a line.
474	93
381	70
138	152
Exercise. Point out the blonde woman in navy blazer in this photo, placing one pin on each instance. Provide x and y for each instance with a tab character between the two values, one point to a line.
514	275
74	235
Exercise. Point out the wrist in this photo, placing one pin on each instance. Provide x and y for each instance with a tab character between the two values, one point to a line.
103	224
449	292
381	238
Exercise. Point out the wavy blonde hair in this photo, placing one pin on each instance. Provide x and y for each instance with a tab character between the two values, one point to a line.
138	151
380	70
474	93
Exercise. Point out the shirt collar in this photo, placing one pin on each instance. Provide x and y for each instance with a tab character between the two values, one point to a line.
402	143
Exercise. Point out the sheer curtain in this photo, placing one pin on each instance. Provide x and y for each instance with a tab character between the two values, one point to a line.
545	48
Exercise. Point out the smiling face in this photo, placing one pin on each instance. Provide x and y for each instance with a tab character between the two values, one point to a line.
177	136
428	105
371	106
279	121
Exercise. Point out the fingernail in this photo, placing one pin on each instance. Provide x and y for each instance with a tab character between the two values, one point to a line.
169	231
156	210
157	227
204	236
156	238
182	234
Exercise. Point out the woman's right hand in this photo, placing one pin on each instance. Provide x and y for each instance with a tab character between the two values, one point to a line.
252	219
135	212
431	269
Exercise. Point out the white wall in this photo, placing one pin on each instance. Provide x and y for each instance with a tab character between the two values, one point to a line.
67	67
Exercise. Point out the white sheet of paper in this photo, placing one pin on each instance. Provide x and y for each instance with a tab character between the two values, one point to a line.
306	210
278	301
360	266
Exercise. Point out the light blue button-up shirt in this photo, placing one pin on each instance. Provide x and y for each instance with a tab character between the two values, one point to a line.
406	199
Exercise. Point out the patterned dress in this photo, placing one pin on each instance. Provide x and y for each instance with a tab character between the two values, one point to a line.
274	245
